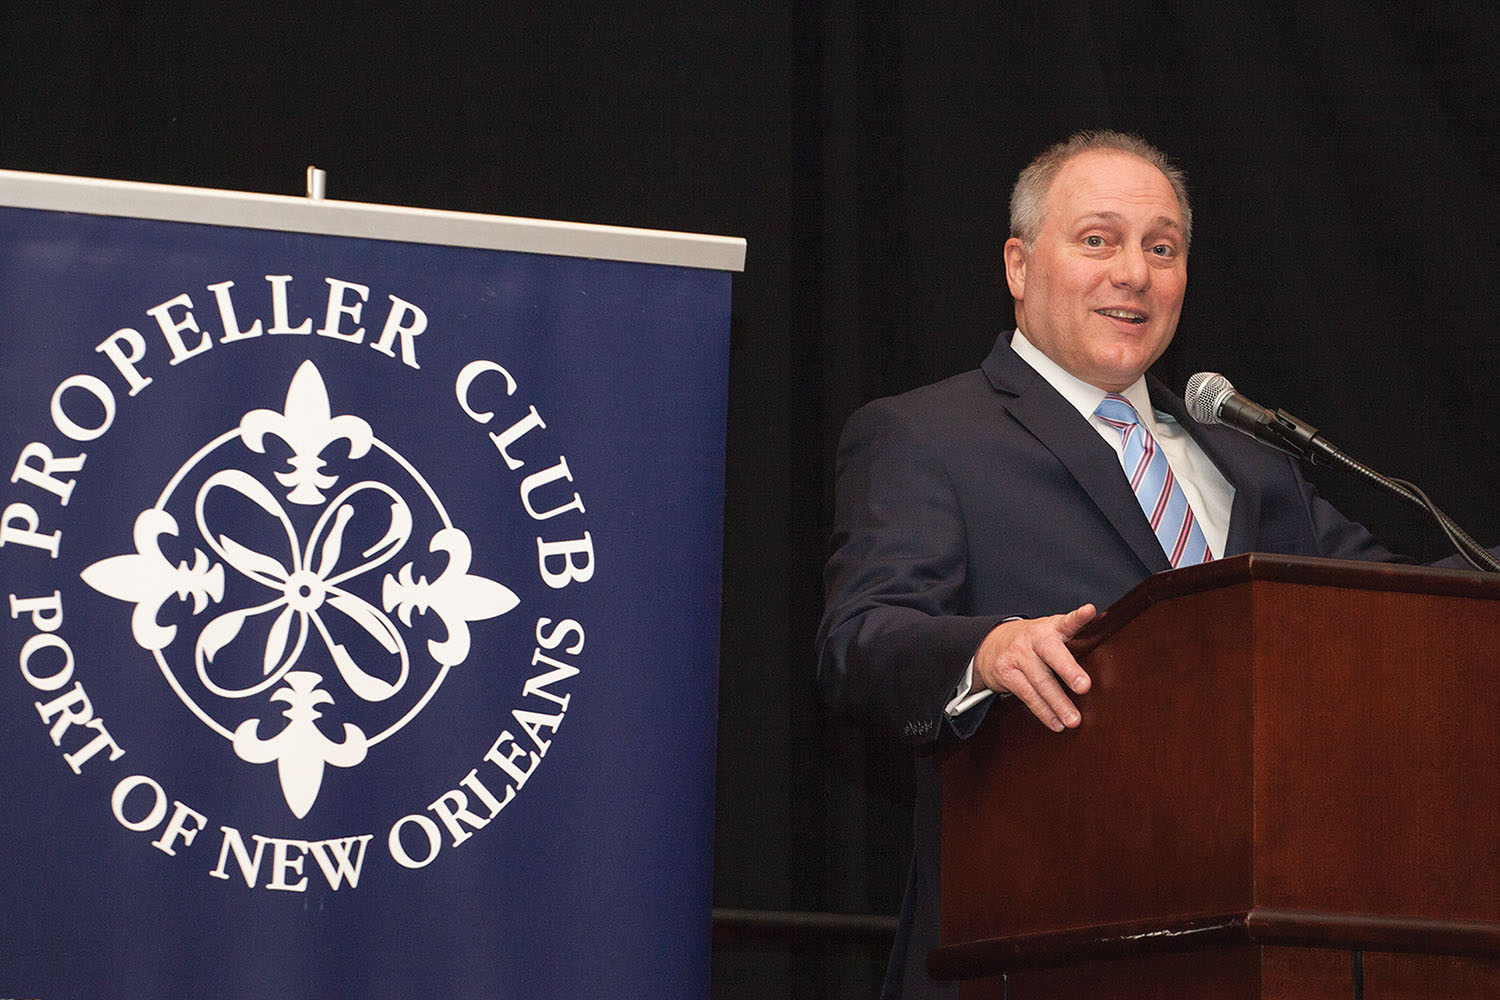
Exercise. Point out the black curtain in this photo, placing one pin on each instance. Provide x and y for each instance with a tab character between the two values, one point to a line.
1344	262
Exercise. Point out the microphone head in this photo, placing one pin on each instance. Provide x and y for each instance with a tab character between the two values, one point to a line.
1206	392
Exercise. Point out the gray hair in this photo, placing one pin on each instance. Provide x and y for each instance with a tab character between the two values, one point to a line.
1028	198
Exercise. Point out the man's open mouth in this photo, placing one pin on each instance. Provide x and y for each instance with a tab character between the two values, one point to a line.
1128	315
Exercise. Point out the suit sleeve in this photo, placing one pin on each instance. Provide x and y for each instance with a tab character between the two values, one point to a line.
1311	525
895	640
1340	538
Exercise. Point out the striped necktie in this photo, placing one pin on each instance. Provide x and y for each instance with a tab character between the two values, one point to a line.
1159	493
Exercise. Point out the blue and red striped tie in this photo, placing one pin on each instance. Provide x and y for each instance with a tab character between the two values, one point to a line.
1159	493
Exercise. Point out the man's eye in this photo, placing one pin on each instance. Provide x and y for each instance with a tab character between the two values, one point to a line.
1093	242
1164	250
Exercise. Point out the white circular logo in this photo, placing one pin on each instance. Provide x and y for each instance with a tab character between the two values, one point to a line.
304	583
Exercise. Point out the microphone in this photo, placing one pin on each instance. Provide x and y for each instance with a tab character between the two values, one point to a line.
1211	399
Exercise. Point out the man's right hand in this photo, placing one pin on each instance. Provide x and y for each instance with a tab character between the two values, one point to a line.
1028	658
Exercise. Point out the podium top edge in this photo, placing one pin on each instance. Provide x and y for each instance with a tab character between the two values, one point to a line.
1270	568
249	210
1352	573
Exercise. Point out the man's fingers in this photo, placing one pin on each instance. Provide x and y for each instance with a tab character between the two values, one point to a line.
1030	659
1057	700
1026	673
1057	655
1039	708
1060	661
1041	693
1074	621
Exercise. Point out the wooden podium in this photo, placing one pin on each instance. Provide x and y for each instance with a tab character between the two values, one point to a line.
1286	784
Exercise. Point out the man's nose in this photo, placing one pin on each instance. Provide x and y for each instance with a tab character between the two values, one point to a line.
1130	269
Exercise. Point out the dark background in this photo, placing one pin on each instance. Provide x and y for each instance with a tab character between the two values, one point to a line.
1347	230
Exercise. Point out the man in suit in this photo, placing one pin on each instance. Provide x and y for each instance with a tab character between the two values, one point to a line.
982	521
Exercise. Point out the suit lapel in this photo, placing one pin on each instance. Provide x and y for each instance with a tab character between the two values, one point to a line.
1054	422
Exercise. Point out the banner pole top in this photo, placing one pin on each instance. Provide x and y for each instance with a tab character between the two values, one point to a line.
320	215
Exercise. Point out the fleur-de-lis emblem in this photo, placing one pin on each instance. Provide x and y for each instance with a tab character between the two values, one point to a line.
300	750
307	424
457	597
147	578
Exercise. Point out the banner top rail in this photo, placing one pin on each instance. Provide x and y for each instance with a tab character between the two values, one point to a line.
174	203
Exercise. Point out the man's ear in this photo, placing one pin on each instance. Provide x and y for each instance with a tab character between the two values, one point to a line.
1015	268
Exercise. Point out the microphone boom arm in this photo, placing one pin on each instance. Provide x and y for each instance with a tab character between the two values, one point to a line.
1475	554
1212	399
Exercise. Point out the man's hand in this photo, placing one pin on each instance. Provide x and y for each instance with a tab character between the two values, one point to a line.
1028	658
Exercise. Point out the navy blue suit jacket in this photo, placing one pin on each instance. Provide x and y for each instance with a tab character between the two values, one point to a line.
987	496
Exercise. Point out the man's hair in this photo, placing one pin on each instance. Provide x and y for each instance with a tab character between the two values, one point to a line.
1028	199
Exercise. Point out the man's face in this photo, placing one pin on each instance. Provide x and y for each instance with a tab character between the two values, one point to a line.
1101	290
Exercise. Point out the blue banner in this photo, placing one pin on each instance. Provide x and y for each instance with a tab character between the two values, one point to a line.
362	606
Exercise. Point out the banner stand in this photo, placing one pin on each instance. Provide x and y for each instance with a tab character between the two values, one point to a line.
362	571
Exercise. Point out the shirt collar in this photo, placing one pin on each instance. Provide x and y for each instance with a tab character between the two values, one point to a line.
1085	398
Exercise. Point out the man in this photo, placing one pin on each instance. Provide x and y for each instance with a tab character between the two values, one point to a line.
981	521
